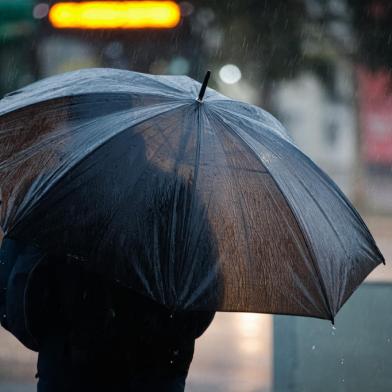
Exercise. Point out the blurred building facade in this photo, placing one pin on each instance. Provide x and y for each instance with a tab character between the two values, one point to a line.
327	105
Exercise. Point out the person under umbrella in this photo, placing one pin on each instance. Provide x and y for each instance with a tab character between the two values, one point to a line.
93	334
199	205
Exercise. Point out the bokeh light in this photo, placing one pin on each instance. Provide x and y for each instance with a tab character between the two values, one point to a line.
230	74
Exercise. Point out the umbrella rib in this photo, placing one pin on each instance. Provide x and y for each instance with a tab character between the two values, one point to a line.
195	177
196	240
64	84
306	240
64	95
174	226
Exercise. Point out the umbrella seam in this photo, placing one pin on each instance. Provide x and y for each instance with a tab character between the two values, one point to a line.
192	201
48	99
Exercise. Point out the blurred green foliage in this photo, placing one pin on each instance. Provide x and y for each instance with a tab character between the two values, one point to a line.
16	19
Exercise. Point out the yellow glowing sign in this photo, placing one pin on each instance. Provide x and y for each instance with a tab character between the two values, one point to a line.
115	15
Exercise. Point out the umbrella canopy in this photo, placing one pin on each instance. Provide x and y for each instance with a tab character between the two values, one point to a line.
198	205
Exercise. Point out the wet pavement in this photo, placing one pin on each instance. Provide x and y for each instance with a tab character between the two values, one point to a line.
15	387
234	355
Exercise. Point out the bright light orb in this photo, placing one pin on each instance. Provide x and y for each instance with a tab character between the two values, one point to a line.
115	15
40	11
230	74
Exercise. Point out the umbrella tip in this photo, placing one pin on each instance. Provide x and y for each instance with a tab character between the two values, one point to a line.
204	86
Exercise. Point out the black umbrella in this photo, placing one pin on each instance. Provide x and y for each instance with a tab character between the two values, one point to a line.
197	203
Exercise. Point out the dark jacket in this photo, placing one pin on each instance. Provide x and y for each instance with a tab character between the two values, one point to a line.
18	310
44	296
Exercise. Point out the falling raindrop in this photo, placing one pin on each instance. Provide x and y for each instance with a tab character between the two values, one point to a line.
313	347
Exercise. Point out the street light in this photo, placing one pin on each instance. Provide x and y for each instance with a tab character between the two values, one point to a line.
115	15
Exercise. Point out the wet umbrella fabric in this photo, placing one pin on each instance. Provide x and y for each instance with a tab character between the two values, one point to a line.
197	205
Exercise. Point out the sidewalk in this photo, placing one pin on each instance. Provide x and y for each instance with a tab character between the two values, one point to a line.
381	229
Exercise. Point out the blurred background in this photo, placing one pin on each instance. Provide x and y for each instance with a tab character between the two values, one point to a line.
323	68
